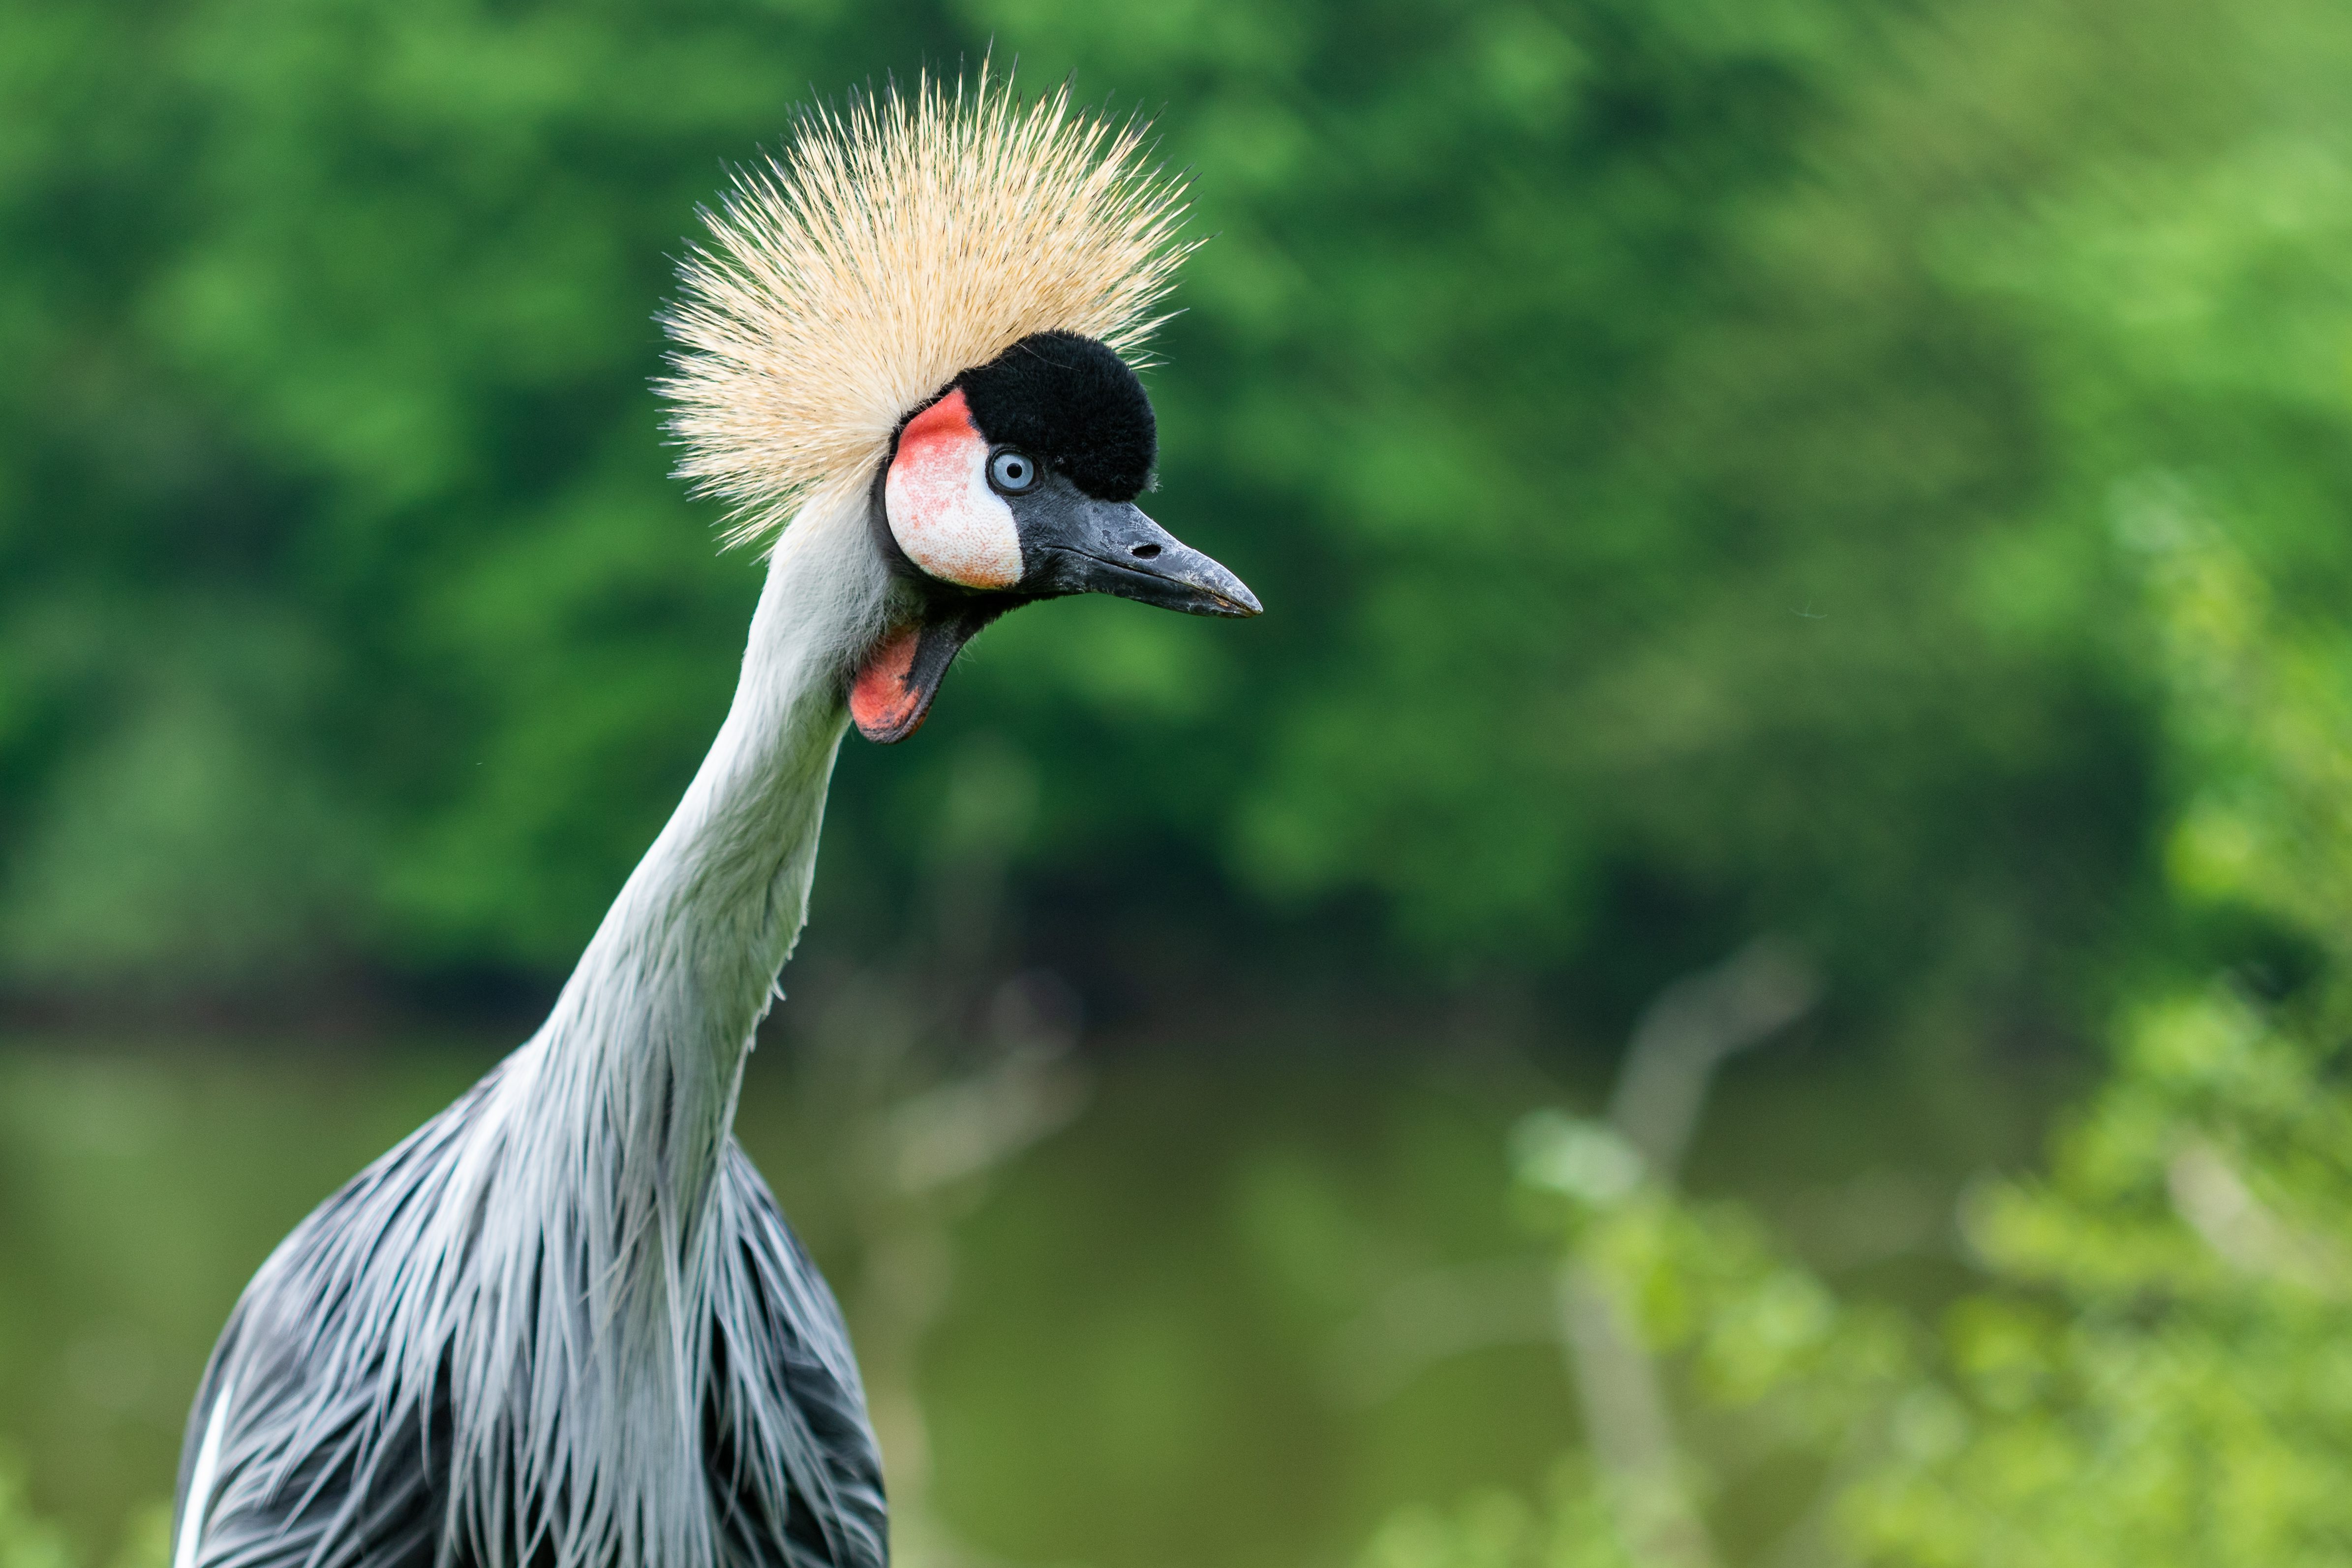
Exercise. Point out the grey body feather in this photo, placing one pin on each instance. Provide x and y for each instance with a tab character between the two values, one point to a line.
563	1324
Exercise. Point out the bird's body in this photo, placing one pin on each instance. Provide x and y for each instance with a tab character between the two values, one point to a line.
563	1325
375	1483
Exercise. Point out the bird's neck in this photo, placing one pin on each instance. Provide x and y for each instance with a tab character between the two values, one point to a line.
645	1048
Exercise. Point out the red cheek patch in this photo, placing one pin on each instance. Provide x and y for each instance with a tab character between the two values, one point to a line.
881	699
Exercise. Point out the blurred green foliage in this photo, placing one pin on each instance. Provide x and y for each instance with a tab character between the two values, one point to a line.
2161	1377
1626	409
1498	1530
1876	474
24	1541
2151	1370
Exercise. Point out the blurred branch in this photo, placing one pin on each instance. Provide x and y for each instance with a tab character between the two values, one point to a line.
1628	1426
959	1104
1440	1313
1684	1036
930	1071
2214	1200
1689	1030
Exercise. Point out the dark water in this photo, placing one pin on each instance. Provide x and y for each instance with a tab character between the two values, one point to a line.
1171	1309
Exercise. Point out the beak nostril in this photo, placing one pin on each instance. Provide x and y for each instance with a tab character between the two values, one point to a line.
1144	552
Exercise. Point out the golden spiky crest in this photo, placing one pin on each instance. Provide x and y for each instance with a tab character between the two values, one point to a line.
883	251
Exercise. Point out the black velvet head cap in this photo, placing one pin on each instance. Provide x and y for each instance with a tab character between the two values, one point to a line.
1073	402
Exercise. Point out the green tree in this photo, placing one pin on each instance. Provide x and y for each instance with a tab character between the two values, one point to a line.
2152	1369
1579	382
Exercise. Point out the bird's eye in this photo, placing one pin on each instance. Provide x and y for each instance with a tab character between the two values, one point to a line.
1012	471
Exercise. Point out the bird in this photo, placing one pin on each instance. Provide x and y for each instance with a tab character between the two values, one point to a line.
564	1324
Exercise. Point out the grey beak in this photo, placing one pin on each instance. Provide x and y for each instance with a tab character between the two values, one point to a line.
1088	546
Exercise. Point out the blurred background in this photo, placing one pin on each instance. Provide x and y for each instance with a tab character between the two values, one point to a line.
1747	966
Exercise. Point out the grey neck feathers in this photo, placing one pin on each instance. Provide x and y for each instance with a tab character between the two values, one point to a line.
649	1034
602	1143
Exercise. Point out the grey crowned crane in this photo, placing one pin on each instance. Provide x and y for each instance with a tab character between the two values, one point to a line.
563	1324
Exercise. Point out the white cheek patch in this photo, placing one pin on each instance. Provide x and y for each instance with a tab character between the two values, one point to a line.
942	512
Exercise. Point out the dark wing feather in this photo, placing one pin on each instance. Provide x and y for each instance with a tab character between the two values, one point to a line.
353	1490
804	1491
317	1469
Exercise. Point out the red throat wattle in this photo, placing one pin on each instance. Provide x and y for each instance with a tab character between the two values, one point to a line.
882	699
